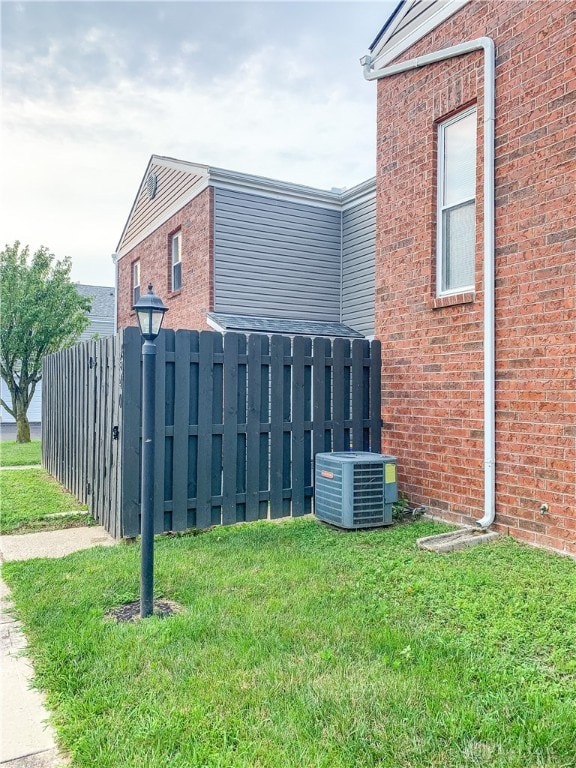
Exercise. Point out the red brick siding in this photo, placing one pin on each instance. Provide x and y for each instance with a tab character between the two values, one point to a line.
187	307
433	350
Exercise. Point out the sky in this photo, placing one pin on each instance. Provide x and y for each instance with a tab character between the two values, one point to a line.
91	89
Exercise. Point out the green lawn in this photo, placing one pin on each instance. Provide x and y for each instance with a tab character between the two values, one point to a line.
13	454
299	646
28	496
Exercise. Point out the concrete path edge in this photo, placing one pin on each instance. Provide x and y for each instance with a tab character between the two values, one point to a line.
26	738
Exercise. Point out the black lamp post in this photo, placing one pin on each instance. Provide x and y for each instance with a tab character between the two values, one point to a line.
150	311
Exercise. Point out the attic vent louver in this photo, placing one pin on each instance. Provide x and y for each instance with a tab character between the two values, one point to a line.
151	185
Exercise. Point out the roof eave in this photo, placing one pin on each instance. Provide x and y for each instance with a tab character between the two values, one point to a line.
382	53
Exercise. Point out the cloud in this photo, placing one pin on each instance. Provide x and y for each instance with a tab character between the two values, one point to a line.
86	103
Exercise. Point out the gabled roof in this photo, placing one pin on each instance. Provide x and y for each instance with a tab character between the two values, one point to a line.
169	184
410	21
287	326
103	300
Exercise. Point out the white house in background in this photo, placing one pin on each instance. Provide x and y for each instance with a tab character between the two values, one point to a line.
101	324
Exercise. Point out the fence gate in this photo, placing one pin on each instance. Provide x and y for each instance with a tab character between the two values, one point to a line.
238	422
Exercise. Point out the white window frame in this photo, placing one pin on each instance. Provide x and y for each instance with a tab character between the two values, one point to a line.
440	208
135	285
175	248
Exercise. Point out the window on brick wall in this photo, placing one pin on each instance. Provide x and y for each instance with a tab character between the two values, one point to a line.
176	261
456	223
135	281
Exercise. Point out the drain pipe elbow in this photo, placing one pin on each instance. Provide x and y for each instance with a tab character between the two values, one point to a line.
366	62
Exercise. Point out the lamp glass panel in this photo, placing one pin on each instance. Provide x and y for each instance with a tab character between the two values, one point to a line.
156	322
144	321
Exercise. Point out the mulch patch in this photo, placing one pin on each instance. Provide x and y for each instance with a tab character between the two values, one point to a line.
131	611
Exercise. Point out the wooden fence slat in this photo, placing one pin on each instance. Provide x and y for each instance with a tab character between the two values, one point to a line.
117	443
65	464
241	454
80	422
366	395
180	440
104	447
308	425
298	452
287	433
193	410
375	396
90	424
357	392
319	354
72	422
230	430
98	459
263	428
204	462
253	428
160	431
111	442
131	388
217	421
340	350
86	440
277	448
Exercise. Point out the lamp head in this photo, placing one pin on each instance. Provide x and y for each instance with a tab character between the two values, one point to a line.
150	312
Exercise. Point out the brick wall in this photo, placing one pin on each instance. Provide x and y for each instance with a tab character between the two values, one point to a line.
433	350
187	307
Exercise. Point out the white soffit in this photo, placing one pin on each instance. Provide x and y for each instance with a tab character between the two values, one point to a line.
394	42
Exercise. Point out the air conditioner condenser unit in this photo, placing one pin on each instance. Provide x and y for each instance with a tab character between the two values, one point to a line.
355	489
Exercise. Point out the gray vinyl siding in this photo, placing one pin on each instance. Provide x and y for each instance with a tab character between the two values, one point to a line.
275	258
99	327
358	246
34	409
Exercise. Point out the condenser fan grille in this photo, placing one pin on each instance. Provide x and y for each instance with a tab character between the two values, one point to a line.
355	490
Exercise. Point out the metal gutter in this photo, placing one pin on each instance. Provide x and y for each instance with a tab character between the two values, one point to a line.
359	193
285	190
485	44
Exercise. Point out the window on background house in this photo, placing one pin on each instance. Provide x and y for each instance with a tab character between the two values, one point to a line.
456	224
135	281
176	260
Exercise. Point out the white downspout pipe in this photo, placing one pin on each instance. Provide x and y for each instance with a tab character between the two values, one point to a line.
487	45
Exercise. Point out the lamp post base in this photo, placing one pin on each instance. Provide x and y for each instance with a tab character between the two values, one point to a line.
131	611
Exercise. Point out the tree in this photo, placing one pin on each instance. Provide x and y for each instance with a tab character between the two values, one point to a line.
41	312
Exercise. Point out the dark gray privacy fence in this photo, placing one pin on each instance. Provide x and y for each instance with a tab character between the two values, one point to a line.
81	408
238	422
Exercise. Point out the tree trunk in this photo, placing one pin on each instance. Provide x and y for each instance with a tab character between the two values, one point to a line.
22	423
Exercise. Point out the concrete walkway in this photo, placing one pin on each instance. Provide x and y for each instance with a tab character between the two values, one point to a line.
27	546
26	741
22	466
